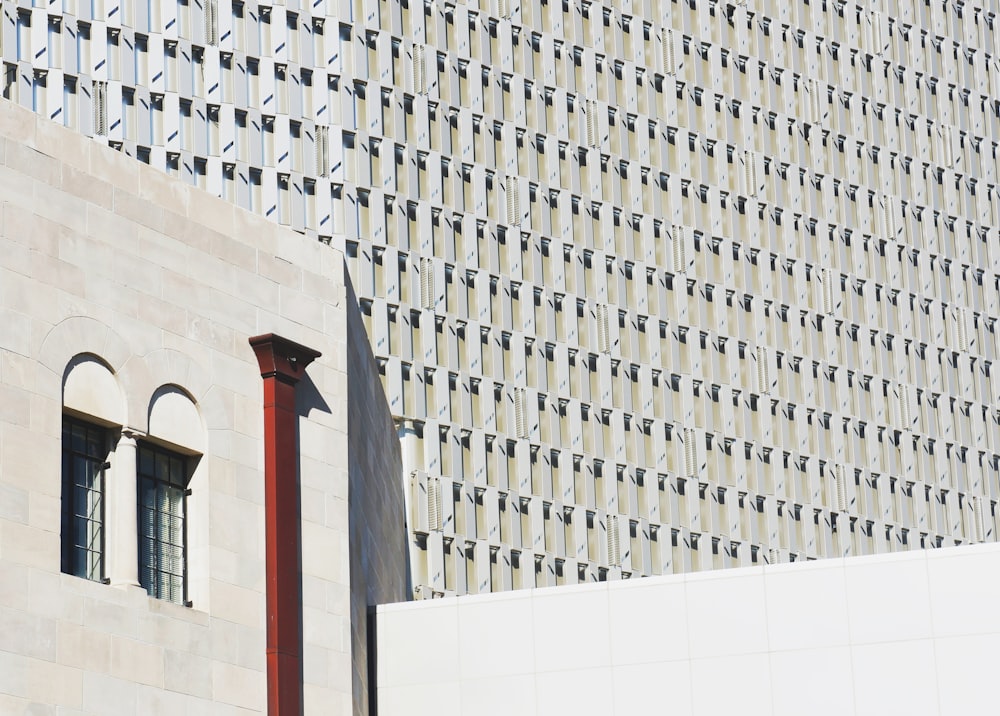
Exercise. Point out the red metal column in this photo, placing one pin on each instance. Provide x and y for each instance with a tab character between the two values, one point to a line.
282	363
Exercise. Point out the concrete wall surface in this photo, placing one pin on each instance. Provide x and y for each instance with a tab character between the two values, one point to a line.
116	279
379	561
913	634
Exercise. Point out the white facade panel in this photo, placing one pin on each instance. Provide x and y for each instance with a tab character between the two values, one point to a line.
789	207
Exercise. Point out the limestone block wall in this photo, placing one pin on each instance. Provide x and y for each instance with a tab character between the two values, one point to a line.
913	633
112	269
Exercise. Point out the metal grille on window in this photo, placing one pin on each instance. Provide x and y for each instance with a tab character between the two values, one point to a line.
162	491
427	283
753	173
840	477
513	201
593	125
322	151
828	290
433	503
521	412
100	108
419	69
763	370
84	455
211	22
669	56
603	329
614	542
960	321
678	245
979	516
690	452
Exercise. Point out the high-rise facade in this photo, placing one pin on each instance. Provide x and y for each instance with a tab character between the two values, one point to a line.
655	286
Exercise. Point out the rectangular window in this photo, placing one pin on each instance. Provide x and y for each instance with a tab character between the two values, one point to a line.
84	460
162	492
8	81
69	102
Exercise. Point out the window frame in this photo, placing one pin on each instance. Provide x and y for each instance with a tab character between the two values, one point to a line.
179	483
67	516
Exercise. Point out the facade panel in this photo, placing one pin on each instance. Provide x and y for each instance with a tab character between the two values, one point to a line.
662	287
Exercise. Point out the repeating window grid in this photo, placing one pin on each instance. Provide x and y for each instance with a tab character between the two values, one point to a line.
800	240
84	455
162	491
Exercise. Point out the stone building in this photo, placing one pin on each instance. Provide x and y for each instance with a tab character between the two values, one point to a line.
132	444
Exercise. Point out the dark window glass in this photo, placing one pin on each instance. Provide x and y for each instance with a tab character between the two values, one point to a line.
162	490
84	458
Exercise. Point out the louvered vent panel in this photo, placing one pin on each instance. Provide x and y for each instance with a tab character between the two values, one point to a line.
839	475
323	151
960	319
690	453
433	503
763	370
100	108
980	509
752	173
521	412
678	247
603	329
593	126
614	545
211	22
829	290
513	201
419	69
669	52
426	283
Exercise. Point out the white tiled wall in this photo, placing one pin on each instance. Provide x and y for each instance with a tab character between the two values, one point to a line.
912	633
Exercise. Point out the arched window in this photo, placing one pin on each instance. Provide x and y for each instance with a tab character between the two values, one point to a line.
166	465
162	490
84	460
93	410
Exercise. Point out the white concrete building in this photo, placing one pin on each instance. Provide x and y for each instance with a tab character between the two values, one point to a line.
913	634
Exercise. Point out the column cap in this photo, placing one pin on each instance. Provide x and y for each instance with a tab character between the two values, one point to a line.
281	358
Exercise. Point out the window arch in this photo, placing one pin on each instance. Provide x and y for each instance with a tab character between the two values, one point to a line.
169	503
93	412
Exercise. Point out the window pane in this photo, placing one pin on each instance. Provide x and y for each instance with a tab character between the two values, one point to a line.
162	560
84	456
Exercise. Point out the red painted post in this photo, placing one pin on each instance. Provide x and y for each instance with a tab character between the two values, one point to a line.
282	364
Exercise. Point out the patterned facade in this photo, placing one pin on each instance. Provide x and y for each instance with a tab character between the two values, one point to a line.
658	286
